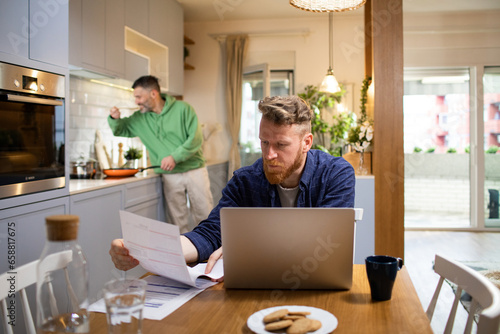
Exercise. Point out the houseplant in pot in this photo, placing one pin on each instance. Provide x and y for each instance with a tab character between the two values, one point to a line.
330	134
361	135
132	155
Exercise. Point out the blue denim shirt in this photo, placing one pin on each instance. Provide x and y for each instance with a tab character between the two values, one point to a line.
327	181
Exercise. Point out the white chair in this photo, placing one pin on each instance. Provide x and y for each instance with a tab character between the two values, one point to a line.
483	293
24	277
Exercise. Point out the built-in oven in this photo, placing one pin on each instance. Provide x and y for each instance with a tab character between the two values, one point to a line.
31	131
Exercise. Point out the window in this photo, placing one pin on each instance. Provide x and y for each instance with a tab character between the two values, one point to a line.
491	113
436	147
258	81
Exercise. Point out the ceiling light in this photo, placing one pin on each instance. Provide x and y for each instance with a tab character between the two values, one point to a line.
327	5
330	83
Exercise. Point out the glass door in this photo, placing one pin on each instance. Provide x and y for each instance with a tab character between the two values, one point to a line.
437	147
256	85
491	116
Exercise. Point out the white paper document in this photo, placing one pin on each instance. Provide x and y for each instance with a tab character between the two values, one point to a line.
163	296
158	248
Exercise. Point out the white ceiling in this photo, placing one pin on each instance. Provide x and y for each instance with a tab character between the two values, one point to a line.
220	10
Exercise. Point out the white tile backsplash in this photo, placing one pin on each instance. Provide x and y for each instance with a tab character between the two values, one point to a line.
89	106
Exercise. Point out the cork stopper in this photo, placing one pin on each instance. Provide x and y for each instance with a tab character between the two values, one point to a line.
62	227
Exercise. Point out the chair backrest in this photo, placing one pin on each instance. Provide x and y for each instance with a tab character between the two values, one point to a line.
17	280
21	278
484	294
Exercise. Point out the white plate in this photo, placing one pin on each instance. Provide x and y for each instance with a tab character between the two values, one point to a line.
328	321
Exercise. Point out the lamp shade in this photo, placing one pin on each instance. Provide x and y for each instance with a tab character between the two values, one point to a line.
329	83
327	5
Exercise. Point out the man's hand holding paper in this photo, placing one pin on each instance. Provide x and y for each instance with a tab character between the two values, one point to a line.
157	247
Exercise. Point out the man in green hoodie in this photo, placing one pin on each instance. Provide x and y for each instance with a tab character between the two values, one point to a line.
170	131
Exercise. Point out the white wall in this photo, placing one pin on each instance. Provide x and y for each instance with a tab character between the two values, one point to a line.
203	87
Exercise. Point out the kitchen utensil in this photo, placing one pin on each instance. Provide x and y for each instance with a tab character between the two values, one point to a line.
128	108
100	151
120	154
123	172
82	169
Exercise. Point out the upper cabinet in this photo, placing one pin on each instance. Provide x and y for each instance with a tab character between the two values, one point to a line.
36	30
100	39
137	15
96	36
166	25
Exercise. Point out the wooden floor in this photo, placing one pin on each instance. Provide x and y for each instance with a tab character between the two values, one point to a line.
420	249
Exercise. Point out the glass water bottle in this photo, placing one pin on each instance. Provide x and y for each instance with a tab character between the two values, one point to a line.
62	279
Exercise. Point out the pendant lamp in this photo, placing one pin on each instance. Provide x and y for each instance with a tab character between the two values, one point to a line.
330	84
327	5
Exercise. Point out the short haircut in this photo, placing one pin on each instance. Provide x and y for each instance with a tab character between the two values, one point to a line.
287	110
148	82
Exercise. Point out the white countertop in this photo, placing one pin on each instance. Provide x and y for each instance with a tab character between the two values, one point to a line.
77	186
365	177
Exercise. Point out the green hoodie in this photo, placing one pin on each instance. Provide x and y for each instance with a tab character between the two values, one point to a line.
175	131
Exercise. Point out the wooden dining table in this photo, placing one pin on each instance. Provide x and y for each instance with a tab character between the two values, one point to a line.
219	310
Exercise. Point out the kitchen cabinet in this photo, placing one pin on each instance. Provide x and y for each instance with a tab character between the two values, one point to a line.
22	238
96	36
137	15
166	25
217	174
27	224
145	198
14	25
37	30
93	40
115	39
99	212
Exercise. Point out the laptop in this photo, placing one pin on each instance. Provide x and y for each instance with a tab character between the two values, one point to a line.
288	248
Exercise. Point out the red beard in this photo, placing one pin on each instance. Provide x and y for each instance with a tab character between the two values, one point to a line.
281	174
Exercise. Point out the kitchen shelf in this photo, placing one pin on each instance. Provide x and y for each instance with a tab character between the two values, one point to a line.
188	41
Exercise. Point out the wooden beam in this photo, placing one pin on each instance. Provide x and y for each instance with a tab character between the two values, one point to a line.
385	27
368	39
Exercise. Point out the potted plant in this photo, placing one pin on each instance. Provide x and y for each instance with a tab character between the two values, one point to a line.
132	155
329	135
361	135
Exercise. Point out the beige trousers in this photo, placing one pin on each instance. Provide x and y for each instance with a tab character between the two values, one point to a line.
188	199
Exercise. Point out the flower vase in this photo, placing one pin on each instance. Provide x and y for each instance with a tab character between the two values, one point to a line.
362	170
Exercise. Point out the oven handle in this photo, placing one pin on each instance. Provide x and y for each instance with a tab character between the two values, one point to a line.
34	100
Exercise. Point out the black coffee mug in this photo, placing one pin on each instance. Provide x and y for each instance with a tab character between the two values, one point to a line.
381	271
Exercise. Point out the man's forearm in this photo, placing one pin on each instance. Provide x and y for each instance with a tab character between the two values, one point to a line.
190	252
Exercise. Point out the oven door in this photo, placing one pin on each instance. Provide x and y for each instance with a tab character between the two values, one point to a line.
31	144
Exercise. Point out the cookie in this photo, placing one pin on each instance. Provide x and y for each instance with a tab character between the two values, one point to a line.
303	313
294	317
315	325
300	326
281	324
276	315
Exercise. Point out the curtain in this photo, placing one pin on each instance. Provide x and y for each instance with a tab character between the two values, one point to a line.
234	48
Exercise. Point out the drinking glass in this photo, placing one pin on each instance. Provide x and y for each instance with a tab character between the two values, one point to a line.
124	305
